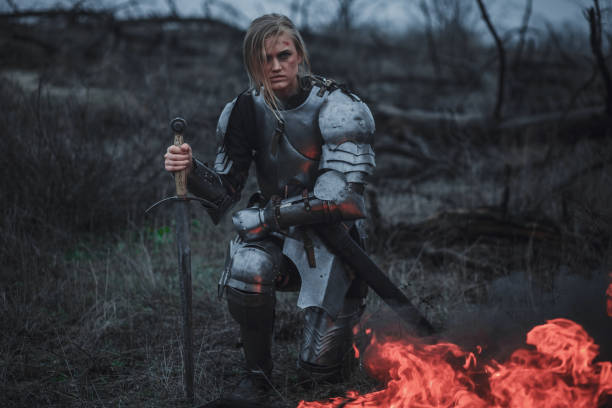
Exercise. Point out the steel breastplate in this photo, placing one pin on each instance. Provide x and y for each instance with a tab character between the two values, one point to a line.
288	155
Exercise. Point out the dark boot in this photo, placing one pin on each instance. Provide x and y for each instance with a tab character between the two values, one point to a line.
253	387
254	312
326	349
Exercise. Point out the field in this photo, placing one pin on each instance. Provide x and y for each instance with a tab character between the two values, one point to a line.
490	225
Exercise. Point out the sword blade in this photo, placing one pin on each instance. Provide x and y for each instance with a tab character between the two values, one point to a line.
184	270
339	241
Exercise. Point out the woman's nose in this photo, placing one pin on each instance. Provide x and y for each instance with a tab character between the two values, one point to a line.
275	65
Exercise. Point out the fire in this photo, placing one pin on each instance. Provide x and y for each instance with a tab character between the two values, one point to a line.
559	372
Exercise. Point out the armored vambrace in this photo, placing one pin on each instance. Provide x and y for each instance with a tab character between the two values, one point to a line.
333	199
204	182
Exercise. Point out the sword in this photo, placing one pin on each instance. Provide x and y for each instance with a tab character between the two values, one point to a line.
178	126
337	238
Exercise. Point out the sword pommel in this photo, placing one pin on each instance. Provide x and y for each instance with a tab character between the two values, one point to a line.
178	125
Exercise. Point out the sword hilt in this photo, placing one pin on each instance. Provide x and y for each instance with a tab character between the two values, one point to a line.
178	126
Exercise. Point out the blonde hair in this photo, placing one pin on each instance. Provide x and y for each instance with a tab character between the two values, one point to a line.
254	53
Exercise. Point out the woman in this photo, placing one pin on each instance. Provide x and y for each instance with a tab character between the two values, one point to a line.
310	140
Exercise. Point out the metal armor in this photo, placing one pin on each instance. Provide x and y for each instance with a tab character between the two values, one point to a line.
288	153
312	163
328	136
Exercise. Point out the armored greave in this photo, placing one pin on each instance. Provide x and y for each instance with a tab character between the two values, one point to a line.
254	312
326	342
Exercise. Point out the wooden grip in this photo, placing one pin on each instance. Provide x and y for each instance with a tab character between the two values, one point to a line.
178	125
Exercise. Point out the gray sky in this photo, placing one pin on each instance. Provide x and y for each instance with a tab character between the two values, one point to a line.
391	14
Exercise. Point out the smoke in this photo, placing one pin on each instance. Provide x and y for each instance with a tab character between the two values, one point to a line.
514	307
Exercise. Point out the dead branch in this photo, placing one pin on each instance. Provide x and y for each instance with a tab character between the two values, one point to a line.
566	58
435	119
47	47
582	88
172	7
570	181
502	61
523	30
406	151
431	43
234	12
459	257
13	6
544	118
345	14
593	16
413	175
429	118
55	13
460	228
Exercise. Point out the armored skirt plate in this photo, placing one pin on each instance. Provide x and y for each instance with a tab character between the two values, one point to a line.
326	284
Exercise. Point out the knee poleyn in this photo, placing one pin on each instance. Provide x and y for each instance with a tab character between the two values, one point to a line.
253	270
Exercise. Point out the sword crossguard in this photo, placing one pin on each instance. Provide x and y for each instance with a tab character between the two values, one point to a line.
205	203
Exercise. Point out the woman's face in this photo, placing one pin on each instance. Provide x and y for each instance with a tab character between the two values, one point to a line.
281	66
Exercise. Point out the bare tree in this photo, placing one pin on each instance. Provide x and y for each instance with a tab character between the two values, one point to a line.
225	10
452	17
431	42
502	61
345	15
593	15
172	6
12	5
300	8
304	13
206	8
523	31
450	12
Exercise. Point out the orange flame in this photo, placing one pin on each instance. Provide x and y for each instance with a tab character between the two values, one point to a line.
559	373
